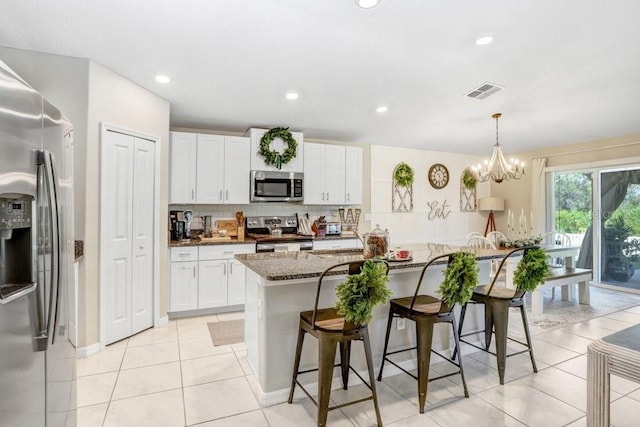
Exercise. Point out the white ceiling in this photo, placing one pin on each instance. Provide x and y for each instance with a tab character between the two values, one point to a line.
571	68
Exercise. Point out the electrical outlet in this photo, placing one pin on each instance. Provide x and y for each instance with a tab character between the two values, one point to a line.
401	323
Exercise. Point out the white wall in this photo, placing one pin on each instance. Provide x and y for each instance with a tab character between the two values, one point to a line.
415	227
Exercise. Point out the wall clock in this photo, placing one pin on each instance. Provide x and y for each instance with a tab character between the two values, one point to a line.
438	176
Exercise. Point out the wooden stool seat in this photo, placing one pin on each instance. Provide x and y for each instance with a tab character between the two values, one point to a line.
424	311
328	320
482	291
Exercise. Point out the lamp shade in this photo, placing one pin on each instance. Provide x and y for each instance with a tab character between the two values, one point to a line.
491	204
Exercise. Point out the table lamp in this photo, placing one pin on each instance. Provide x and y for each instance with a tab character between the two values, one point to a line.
490	204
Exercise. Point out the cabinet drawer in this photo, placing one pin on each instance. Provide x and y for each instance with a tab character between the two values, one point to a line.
184	254
224	251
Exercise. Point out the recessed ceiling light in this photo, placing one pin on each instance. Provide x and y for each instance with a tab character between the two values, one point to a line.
367	4
291	96
382	109
484	40
162	79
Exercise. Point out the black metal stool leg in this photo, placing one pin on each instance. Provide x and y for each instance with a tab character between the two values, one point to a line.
367	352
386	343
327	345
296	363
456	338
345	356
527	334
424	335
463	311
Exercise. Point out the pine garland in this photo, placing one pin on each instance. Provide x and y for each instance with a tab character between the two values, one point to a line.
532	269
460	278
360	293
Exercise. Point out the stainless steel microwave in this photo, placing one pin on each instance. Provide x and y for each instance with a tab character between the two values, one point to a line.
272	186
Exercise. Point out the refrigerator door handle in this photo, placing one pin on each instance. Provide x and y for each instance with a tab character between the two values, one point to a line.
47	337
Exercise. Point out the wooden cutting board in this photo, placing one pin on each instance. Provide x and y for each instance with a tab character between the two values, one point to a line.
214	239
231	225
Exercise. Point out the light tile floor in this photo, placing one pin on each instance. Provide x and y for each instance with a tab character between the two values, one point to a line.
174	376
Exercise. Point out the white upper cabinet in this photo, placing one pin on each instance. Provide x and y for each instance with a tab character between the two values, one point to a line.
324	177
209	168
183	171
237	168
257	161
353	175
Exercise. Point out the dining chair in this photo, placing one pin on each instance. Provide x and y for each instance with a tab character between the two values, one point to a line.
425	311
331	329
497	300
480	242
496	237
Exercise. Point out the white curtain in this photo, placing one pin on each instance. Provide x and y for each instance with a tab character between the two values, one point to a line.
538	197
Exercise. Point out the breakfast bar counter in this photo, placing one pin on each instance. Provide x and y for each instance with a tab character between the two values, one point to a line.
281	285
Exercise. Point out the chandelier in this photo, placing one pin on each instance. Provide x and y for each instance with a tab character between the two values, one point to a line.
498	168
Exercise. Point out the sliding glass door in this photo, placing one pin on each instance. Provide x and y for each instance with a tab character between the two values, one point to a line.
606	227
620	228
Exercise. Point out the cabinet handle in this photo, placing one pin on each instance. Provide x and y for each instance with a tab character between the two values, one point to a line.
220	194
194	271
327	196
226	195
224	267
348	197
230	269
323	195
193	194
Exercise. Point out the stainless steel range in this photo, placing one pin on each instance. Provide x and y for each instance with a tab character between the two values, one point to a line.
277	233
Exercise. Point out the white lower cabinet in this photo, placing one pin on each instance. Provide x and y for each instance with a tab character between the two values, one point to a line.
207	276
184	285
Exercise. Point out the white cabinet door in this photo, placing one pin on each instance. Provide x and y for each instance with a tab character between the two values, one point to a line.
236	170
324	174
212	283
313	174
184	286
236	282
333	173
183	168
353	175
210	169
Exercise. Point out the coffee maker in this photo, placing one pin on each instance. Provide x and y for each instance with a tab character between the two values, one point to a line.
178	226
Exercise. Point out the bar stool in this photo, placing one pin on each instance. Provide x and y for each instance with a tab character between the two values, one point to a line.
425	311
330	329
497	301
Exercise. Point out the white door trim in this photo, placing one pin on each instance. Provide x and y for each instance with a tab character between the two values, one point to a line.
104	128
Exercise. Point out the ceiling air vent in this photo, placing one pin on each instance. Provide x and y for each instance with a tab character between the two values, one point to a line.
485	90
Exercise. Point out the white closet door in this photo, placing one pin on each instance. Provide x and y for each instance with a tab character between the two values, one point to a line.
142	219
117	200
127	214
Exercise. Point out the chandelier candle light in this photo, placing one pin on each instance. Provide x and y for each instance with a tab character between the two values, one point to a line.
498	168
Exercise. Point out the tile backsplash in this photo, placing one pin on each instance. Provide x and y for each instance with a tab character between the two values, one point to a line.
263	209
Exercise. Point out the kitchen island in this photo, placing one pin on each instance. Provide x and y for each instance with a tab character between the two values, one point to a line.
281	285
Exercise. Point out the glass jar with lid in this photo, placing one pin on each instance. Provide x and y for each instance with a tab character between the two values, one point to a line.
376	243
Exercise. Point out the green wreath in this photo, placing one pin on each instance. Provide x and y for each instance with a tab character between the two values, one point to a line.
272	157
403	175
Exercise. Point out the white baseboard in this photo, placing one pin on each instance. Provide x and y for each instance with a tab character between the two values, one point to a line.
82	352
162	321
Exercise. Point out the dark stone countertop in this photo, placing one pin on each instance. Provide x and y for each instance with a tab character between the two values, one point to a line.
247	240
280	266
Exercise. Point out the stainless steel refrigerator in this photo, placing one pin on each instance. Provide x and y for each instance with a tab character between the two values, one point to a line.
37	358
